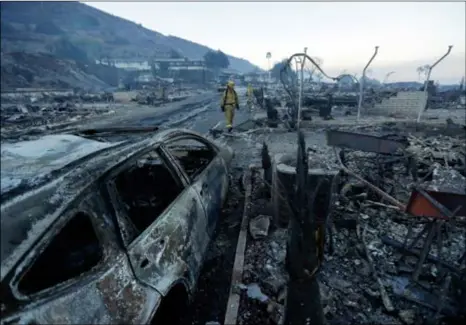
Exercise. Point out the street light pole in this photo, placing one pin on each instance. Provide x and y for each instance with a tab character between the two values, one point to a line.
269	56
427	82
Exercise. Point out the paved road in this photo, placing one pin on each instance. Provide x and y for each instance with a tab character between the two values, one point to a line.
148	115
204	118
199	113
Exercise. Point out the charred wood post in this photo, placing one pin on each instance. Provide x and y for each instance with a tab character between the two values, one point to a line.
272	113
283	188
266	166
303	304
325	111
283	180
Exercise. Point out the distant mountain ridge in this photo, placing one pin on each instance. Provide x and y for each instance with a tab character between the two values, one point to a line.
75	29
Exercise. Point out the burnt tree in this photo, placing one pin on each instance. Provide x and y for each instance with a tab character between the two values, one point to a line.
303	304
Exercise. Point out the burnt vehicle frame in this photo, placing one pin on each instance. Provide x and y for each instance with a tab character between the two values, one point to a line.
133	277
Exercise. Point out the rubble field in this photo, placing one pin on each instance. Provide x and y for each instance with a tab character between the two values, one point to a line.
364	278
36	113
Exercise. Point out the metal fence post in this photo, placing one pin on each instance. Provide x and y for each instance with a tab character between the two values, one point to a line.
361	83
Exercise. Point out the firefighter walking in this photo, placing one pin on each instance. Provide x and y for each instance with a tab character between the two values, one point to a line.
250	94
229	104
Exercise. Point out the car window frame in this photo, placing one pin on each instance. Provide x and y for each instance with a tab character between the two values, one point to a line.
45	239
121	215
207	143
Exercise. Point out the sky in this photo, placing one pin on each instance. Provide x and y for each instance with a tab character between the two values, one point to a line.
342	34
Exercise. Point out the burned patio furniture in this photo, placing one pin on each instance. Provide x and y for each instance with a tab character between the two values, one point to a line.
438	208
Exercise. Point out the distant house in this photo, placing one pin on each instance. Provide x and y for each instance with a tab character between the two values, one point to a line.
180	68
145	77
180	63
230	72
184	69
127	64
253	77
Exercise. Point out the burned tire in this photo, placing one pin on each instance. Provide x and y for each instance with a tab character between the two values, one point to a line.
173	308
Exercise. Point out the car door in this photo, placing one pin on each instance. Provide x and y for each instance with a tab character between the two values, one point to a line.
51	288
209	180
167	250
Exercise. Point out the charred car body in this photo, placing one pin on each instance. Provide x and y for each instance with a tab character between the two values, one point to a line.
101	232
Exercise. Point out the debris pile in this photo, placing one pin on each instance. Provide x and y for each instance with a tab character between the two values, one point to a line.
395	243
368	231
264	274
151	97
36	118
37	97
155	96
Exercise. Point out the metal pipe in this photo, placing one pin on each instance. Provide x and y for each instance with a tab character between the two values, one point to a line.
296	62
386	76
421	109
353	78
294	110
301	81
361	83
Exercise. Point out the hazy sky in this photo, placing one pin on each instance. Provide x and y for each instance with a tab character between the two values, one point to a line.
344	35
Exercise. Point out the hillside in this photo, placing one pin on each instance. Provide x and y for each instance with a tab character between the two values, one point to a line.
37	70
72	30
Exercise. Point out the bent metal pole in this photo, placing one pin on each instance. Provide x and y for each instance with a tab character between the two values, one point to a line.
361	82
301	81
426	95
287	67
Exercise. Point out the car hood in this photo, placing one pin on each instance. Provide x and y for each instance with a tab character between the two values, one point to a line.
28	163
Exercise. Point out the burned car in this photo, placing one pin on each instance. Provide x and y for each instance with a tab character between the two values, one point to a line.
107	232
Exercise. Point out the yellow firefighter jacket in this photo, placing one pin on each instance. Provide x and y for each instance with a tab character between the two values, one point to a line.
230	98
250	92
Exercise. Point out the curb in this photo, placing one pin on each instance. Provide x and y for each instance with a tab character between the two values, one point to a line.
233	303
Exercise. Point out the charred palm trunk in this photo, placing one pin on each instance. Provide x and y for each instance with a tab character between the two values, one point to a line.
303	305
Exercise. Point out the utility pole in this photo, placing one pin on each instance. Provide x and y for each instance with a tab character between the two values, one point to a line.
426	95
361	83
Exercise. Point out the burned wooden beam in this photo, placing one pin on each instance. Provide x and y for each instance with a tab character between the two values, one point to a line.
303	304
364	142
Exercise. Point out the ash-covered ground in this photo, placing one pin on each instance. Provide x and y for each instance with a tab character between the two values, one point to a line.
38	113
362	223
